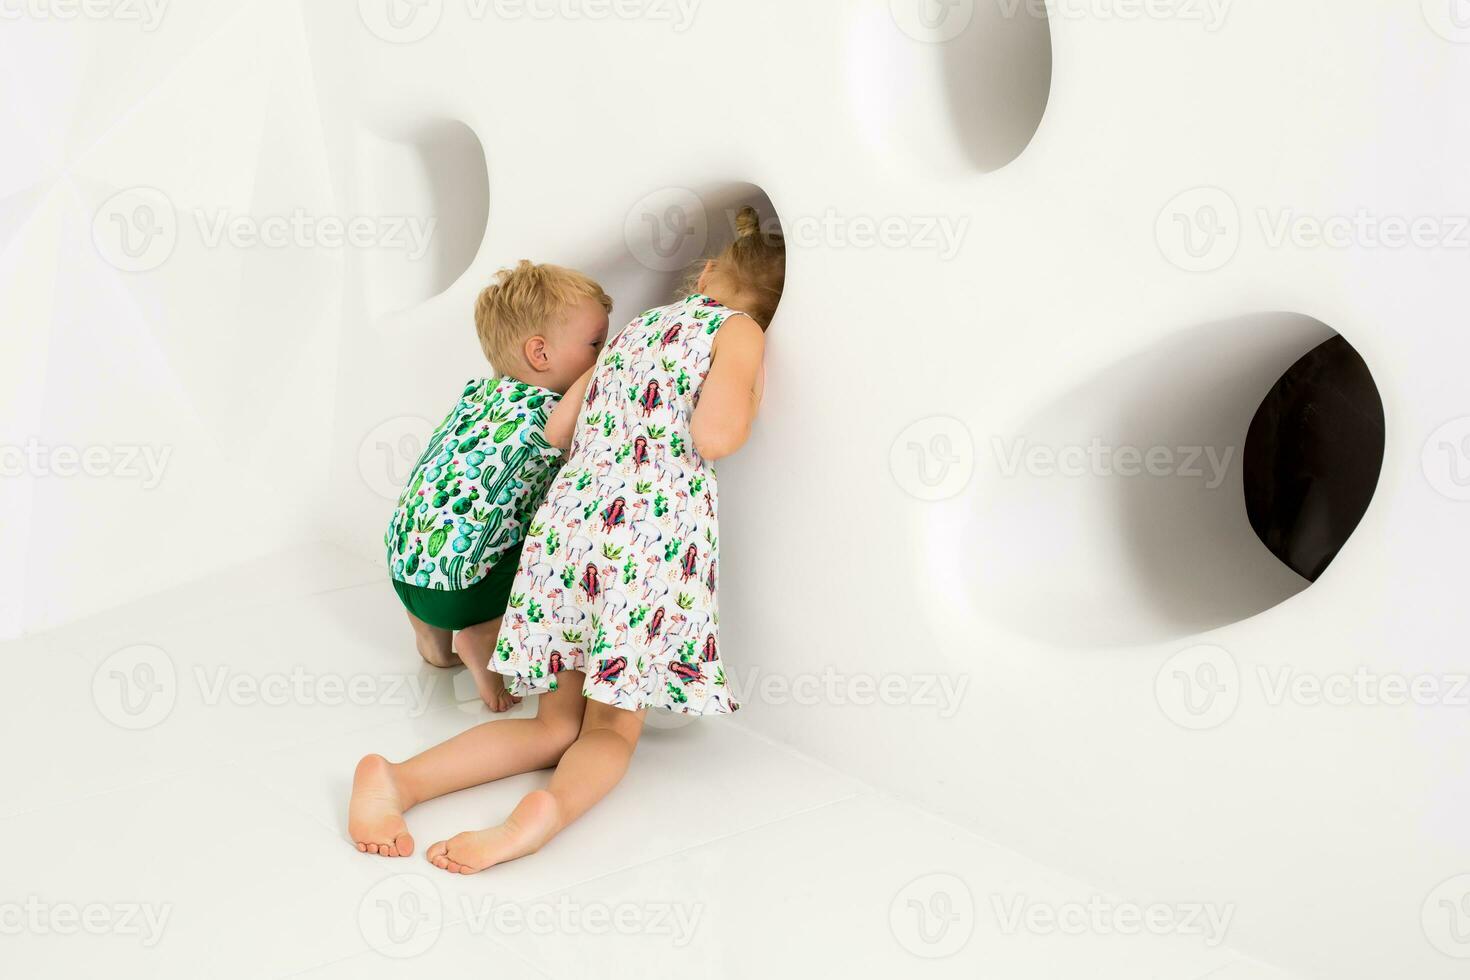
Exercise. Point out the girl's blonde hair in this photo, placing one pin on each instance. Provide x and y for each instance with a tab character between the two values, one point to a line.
526	301
755	265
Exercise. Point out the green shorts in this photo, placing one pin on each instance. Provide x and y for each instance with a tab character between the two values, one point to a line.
459	608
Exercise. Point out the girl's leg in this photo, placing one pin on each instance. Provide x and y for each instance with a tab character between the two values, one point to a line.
476	647
383	791
436	646
588	771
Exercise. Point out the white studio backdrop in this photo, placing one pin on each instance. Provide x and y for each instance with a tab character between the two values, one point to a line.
1006	232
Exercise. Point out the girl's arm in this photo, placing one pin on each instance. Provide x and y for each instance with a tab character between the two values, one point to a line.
731	393
563	420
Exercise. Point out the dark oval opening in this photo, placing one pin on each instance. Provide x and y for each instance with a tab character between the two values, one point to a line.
1313	456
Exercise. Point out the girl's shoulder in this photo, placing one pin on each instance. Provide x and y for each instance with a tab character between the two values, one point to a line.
696	313
708	311
690	308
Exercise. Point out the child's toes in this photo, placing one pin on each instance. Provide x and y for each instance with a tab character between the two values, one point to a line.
438	856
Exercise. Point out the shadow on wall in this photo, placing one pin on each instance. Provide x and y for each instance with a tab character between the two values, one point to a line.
1117	516
429	188
997	81
959	87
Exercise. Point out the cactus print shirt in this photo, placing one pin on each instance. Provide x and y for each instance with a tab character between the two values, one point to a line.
471	495
618	574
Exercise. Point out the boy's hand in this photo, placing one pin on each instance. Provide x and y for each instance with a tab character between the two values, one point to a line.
561	426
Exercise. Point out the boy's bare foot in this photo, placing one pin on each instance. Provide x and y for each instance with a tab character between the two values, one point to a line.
375	815
532	823
492	690
477	650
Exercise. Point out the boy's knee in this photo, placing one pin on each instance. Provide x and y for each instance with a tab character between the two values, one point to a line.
438	658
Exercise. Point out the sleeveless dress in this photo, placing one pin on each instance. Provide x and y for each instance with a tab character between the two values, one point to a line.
619	569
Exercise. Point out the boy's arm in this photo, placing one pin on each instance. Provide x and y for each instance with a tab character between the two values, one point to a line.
732	391
563	420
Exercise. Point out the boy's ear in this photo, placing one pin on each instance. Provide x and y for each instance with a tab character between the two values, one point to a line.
536	353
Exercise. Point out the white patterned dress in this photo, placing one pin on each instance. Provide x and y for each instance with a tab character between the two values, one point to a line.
619	570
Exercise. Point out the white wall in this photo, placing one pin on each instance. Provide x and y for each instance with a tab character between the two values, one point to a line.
1058	317
215	356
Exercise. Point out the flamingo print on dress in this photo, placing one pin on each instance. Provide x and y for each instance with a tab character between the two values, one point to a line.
618	577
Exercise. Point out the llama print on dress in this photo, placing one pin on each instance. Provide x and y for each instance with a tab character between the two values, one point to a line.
618	577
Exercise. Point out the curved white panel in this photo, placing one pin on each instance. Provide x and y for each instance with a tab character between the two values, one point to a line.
1063	308
432	186
950	86
1116	515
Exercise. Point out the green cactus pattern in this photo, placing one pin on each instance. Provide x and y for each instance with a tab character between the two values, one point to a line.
472	493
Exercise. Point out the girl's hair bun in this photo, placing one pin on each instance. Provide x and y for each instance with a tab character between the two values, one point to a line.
747	222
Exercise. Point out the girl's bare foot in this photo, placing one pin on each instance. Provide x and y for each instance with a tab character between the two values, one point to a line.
533	822
375	815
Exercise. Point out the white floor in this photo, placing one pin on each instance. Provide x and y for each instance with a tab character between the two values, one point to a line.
199	830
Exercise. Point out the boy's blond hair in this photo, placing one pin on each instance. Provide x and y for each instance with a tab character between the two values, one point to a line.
525	301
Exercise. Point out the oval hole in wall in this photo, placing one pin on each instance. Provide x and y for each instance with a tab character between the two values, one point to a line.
1152	542
428	189
959	86
668	234
1313	457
